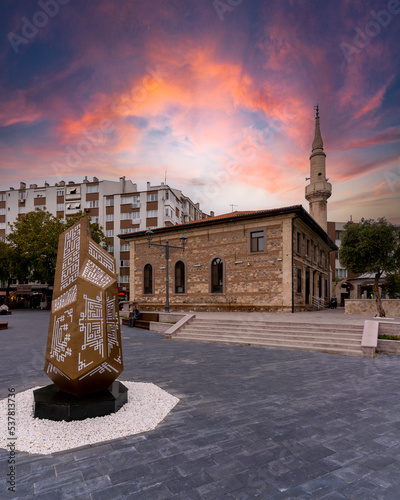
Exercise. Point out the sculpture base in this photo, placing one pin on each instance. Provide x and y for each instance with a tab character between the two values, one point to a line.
53	404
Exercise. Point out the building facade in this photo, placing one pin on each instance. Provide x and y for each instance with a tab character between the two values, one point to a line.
269	260
117	206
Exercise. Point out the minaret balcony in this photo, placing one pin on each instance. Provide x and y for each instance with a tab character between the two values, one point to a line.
322	188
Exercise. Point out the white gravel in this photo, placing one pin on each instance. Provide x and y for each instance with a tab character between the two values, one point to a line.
147	406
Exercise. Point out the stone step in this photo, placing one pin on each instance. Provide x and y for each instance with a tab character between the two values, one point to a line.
234	329
277	324
286	336
287	346
276	340
343	339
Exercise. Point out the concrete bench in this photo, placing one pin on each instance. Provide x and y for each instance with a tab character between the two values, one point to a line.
3	325
145	319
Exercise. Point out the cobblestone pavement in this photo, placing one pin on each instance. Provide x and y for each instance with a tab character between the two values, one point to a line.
251	423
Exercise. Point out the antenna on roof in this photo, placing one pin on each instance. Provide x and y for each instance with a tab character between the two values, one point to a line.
232	205
165	177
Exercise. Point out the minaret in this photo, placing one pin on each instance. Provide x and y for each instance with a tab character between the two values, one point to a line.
319	189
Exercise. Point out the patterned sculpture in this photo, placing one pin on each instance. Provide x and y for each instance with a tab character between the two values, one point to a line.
84	353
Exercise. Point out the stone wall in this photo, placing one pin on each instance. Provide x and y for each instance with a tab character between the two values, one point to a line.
252	280
367	307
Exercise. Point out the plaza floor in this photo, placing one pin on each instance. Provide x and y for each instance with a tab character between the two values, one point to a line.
251	423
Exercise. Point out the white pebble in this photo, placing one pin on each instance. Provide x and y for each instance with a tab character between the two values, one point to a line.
147	406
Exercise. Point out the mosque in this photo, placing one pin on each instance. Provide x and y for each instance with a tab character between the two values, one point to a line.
263	260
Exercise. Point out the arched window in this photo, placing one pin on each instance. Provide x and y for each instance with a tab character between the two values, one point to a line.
148	279
217	276
179	277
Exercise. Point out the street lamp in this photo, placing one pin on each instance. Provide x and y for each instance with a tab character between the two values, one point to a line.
167	246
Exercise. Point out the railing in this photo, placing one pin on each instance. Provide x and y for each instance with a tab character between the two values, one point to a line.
318	302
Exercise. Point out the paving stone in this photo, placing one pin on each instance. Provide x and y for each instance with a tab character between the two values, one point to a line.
57	482
219	488
159	492
229	468
377	461
180	485
127	475
352	472
301	425
324	485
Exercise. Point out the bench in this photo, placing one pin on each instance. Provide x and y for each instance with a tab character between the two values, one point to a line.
3	325
143	321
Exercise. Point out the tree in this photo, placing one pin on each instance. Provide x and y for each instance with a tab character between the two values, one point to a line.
371	247
7	267
393	285
34	243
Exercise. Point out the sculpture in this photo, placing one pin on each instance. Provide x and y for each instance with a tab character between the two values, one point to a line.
83	353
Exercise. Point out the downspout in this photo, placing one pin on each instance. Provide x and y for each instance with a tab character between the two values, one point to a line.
292	265
329	278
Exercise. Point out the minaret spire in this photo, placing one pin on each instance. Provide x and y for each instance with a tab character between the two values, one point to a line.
318	143
319	189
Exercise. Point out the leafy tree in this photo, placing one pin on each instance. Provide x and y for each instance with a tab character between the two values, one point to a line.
34	244
7	260
371	247
31	251
393	285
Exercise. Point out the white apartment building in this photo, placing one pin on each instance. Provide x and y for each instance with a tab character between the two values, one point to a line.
117	206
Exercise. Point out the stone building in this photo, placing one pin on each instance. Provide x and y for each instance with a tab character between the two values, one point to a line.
272	260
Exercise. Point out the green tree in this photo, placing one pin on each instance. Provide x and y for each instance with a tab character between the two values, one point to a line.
34	243
393	285
31	251
371	247
7	267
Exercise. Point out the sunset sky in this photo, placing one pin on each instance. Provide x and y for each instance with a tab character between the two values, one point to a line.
218	94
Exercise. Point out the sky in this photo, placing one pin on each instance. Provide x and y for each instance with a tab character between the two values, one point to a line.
217	97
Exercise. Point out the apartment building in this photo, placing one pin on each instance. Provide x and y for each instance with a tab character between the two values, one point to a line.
117	206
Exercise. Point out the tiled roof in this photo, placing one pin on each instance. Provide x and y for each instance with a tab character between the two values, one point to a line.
298	210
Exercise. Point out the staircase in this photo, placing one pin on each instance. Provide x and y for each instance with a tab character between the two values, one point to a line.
341	339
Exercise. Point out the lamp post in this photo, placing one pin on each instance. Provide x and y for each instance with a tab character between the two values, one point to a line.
167	246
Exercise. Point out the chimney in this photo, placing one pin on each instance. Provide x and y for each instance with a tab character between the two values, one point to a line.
22	185
85	180
148	186
122	184
212	214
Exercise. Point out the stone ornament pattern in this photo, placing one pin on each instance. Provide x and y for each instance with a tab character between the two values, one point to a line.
84	352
